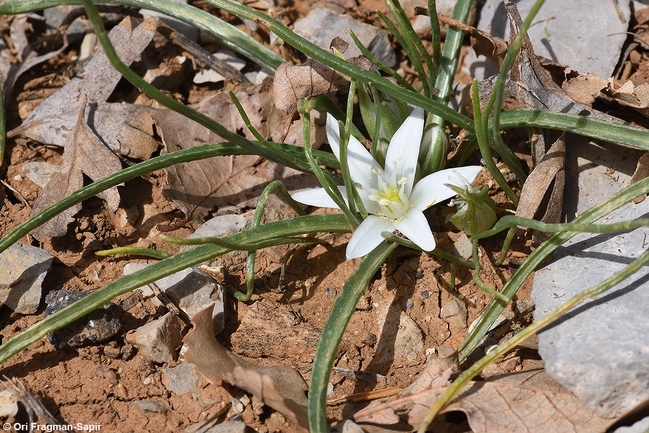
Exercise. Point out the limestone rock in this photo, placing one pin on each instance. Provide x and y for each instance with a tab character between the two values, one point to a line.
159	339
22	270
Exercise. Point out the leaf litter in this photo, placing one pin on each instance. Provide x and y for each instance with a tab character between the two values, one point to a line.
237	182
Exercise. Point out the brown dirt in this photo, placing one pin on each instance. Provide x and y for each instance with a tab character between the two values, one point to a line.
100	384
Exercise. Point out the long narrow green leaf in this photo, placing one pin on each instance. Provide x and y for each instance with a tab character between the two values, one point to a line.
268	151
463	379
343	66
333	332
229	35
541	253
291	227
627	135
451	52
157	163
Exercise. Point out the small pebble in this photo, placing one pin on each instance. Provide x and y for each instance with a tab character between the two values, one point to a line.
96	327
409	304
425	294
330	292
330	390
111	350
147	407
237	406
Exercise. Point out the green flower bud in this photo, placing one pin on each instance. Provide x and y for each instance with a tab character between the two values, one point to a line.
476	211
434	149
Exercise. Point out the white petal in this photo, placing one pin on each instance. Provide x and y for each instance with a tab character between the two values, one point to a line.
359	160
367	236
317	197
415	227
431	189
401	159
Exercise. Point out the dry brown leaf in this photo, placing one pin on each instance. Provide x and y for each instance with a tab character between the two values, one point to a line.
228	180
295	82
84	154
542	194
584	88
26	56
54	118
435	375
529	401
277	386
632	95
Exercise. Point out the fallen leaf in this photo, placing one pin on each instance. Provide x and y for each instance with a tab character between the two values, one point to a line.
435	375
492	47
631	95
26	56
542	194
295	82
584	88
84	154
529	401
54	118
199	186
277	386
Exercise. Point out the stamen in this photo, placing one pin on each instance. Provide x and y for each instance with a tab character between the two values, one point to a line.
402	181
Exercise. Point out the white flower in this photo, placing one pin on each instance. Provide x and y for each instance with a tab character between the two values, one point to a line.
390	195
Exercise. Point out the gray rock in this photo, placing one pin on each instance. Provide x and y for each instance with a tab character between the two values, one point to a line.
191	290
182	378
571	33
22	270
321	26
40	172
400	337
454	312
97	326
214	426
463	246
340	6
599	350
159	339
148	407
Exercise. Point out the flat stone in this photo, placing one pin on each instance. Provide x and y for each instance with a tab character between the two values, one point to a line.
159	339
96	327
399	336
322	25
463	246
148	407
22	270
40	172
182	378
599	350
454	312
191	290
565	33
273	331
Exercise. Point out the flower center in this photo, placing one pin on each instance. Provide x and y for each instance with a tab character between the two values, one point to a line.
391	198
